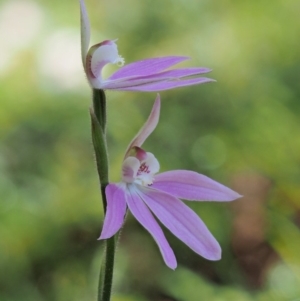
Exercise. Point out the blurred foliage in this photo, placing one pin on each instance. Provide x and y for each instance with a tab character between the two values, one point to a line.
242	131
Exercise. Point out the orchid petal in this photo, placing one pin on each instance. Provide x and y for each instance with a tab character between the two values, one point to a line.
147	128
85	32
159	86
190	185
168	75
130	168
115	212
146	219
147	67
152	162
182	72
182	221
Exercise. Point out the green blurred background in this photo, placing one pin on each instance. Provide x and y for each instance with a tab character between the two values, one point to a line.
242	131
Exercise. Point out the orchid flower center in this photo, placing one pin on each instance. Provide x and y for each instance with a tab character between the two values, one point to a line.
143	169
101	54
144	175
140	171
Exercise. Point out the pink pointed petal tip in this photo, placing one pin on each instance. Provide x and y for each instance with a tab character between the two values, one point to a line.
190	185
183	222
146	219
147	128
116	209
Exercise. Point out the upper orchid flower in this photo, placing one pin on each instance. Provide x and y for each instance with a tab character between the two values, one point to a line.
143	191
145	75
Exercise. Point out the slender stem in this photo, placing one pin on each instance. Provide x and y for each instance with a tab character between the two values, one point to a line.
98	118
106	272
99	106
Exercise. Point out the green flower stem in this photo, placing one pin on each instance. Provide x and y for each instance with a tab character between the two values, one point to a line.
107	270
98	120
99	105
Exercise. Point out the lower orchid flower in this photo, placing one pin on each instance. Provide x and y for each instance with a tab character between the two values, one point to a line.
145	75
146	193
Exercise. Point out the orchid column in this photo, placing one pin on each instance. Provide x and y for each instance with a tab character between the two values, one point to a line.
146	75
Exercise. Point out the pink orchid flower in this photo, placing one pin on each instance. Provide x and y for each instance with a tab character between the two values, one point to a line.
145	75
144	192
